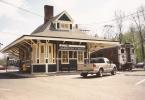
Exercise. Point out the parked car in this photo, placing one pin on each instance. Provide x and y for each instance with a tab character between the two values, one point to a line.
97	66
140	65
2	67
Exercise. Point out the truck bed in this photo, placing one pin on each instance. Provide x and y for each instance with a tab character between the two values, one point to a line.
85	67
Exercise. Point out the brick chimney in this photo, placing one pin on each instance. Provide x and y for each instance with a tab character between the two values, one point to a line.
48	13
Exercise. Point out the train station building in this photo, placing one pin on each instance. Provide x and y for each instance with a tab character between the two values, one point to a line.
56	45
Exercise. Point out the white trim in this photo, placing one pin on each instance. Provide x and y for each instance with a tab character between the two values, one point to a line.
64	12
72	40
52	50
46	67
37	51
39	64
13	43
32	53
25	37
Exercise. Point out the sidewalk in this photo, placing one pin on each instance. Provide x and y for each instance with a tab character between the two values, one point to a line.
28	75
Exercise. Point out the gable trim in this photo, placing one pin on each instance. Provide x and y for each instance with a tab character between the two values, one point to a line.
64	12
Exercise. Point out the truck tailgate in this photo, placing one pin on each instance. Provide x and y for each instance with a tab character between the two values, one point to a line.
85	67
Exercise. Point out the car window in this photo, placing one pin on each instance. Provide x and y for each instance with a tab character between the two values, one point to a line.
97	61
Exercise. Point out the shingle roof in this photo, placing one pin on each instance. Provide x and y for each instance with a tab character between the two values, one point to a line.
46	26
48	29
76	34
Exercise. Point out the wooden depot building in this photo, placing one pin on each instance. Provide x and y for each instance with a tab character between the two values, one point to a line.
55	45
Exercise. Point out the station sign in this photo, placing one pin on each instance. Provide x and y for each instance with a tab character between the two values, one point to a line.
71	47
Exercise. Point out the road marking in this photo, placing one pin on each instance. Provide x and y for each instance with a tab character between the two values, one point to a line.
4	89
138	83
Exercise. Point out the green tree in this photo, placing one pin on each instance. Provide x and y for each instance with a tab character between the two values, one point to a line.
132	36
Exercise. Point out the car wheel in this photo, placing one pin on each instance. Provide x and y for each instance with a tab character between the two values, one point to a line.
84	75
100	73
113	72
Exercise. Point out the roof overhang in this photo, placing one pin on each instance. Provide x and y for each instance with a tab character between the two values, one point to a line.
34	37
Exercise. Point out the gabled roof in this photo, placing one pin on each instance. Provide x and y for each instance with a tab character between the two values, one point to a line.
61	14
49	25
49	30
42	28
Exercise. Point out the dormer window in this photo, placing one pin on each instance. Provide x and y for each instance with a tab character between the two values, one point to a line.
64	17
63	22
64	26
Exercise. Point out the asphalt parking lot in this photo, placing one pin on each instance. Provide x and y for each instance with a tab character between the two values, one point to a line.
123	86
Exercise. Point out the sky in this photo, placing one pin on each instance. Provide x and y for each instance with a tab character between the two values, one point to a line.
92	14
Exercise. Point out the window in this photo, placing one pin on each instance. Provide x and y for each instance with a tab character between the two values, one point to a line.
51	55
64	57
64	26
64	17
58	25
34	48
38	51
122	50
41	53
46	60
80	57
50	47
42	49
70	26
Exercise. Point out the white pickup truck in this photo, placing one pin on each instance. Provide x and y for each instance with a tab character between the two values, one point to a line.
97	66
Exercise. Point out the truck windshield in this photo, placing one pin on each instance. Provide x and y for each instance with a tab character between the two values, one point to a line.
97	61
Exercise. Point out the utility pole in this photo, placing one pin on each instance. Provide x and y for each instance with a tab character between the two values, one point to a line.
107	32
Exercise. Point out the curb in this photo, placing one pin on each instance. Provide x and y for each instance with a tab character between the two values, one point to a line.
23	75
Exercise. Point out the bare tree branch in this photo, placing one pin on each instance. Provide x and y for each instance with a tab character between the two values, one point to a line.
119	16
137	19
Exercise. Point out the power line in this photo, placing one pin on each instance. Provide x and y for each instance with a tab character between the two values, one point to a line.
90	24
20	8
112	20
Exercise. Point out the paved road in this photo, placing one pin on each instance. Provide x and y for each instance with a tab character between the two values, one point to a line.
123	86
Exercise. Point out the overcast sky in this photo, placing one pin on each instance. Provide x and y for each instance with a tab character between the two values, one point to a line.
15	22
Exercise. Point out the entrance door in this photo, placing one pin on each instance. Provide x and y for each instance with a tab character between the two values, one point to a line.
42	52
